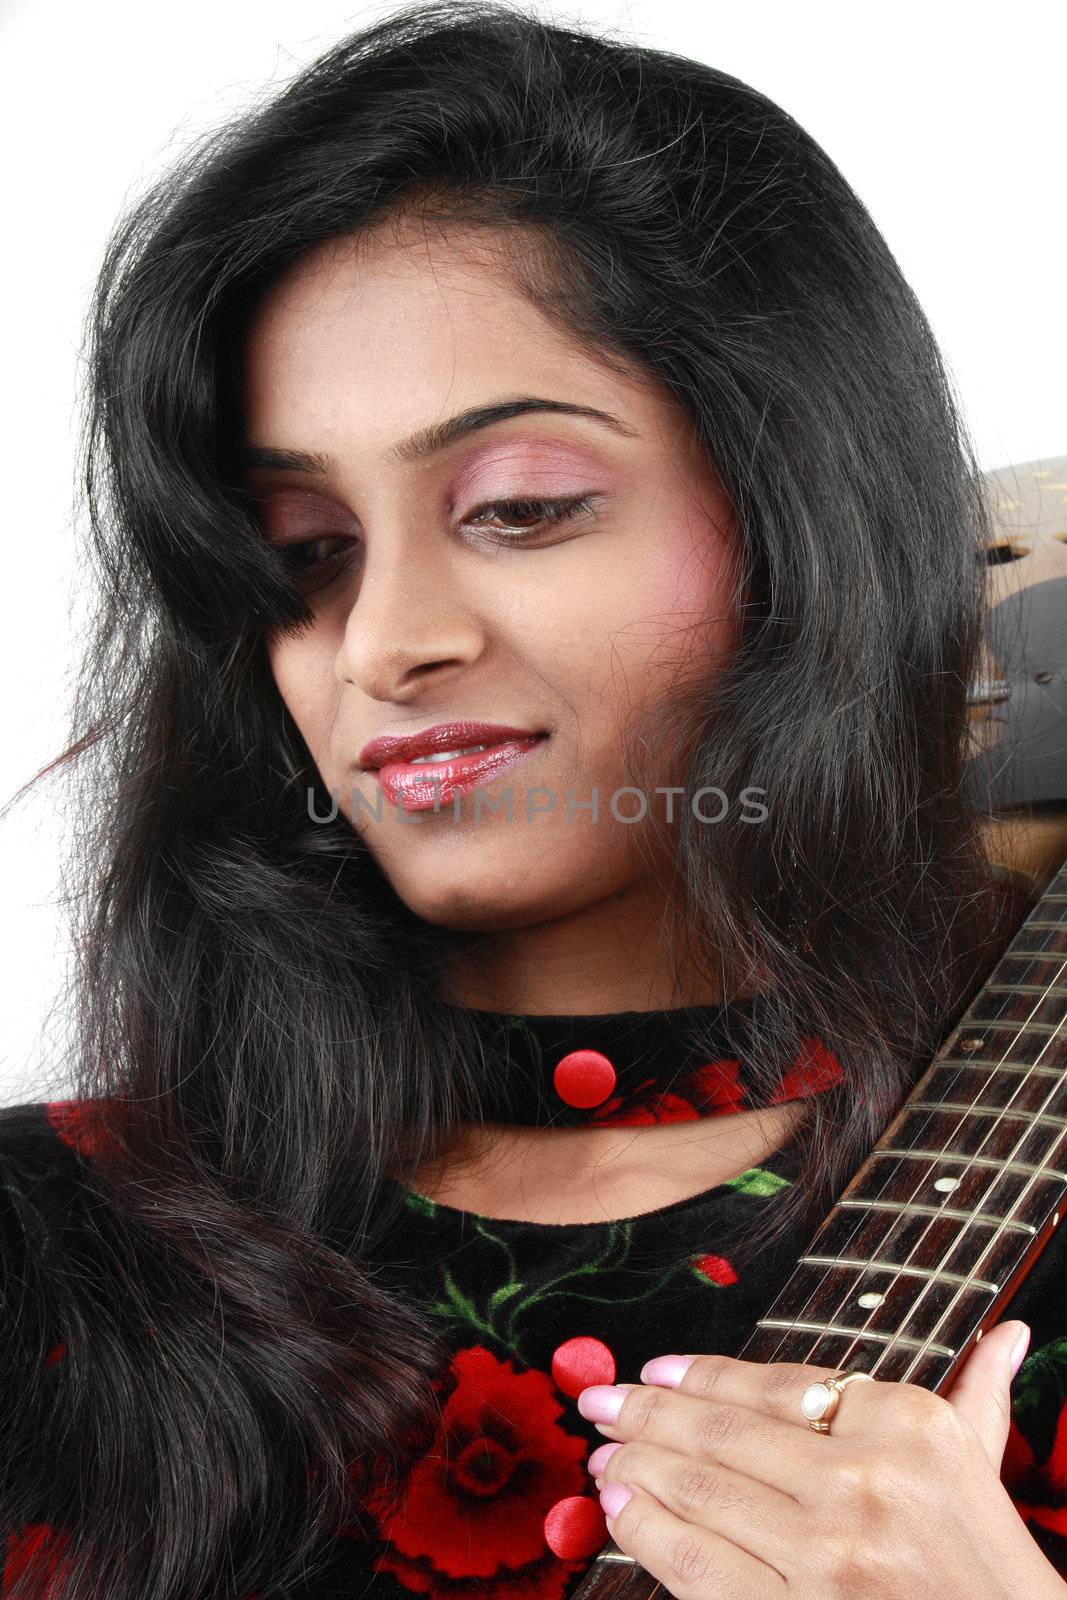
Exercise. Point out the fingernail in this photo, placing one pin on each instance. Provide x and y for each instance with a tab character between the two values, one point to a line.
1020	1350
613	1496
602	1402
599	1459
668	1371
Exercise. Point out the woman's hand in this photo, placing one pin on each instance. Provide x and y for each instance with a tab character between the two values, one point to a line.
721	1491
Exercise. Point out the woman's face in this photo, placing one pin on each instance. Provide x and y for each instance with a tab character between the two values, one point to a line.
436	600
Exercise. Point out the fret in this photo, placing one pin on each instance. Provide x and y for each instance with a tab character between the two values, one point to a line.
1024	1167
960	1106
617	1555
1010	1040
1037	922
1021	1024
917	1208
858	1333
1025	988
1004	1066
901	1268
1039	955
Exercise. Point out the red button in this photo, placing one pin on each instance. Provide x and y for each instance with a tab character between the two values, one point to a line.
575	1528
584	1078
578	1362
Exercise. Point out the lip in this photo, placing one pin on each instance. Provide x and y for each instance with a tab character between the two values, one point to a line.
432	785
392	748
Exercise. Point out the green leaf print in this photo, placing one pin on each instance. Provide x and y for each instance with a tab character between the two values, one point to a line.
420	1203
460	1307
516	1024
758	1182
1038	1395
498	1296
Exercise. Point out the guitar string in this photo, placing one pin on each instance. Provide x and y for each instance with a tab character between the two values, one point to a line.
898	1223
1001	1228
983	1198
894	1226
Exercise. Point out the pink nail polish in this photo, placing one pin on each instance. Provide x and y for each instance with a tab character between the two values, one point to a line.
667	1371
599	1458
613	1496
602	1402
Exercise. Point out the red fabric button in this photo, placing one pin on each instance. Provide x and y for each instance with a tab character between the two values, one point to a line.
584	1078
575	1528
577	1363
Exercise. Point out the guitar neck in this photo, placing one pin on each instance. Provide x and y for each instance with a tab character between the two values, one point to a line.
954	1204
949	1211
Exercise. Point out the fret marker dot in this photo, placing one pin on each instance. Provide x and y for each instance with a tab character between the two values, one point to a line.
972	1044
869	1301
1055	1218
946	1185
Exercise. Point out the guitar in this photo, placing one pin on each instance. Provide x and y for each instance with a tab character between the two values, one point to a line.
949	1211
952	1207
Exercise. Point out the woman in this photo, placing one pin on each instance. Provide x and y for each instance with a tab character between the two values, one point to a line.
496	385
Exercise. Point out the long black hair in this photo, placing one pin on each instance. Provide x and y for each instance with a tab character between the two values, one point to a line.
263	1033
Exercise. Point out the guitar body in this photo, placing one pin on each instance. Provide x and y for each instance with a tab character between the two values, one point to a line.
1018	770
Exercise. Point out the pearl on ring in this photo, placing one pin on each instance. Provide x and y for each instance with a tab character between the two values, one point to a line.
814	1401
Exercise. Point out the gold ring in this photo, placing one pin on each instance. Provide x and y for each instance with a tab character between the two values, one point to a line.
820	1401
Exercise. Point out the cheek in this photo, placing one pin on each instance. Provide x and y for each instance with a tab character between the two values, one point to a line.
669	607
303	673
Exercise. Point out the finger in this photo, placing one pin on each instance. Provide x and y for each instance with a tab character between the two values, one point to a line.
982	1389
780	1454
692	1563
765	1522
773	1388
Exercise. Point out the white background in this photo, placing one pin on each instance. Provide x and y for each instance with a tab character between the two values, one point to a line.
948	119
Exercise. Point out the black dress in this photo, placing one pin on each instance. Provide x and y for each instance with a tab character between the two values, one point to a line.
502	1506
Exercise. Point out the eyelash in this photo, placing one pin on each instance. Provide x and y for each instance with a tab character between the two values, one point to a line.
553	513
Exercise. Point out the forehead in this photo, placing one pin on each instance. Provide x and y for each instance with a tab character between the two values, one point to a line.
402	284
404	323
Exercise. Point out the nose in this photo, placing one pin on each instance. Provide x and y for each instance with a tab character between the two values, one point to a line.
409	622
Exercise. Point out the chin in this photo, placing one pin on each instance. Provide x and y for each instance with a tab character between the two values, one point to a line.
467	891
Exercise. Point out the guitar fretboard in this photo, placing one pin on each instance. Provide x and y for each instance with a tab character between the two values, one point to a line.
960	1194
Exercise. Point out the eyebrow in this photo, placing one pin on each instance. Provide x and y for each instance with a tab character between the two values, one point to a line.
438	436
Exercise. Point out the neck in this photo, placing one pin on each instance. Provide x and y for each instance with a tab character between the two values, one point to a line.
613	954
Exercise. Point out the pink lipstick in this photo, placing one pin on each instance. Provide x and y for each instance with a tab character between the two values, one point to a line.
456	757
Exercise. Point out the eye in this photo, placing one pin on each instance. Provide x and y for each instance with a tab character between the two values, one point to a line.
314	563
311	564
525	519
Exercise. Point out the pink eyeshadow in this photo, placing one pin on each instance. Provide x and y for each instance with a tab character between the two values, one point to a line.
534	466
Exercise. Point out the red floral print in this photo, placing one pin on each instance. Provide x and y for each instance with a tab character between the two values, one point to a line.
469	1518
81	1124
36	1550
815	1070
716	1087
716	1269
1039	1489
644	1108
